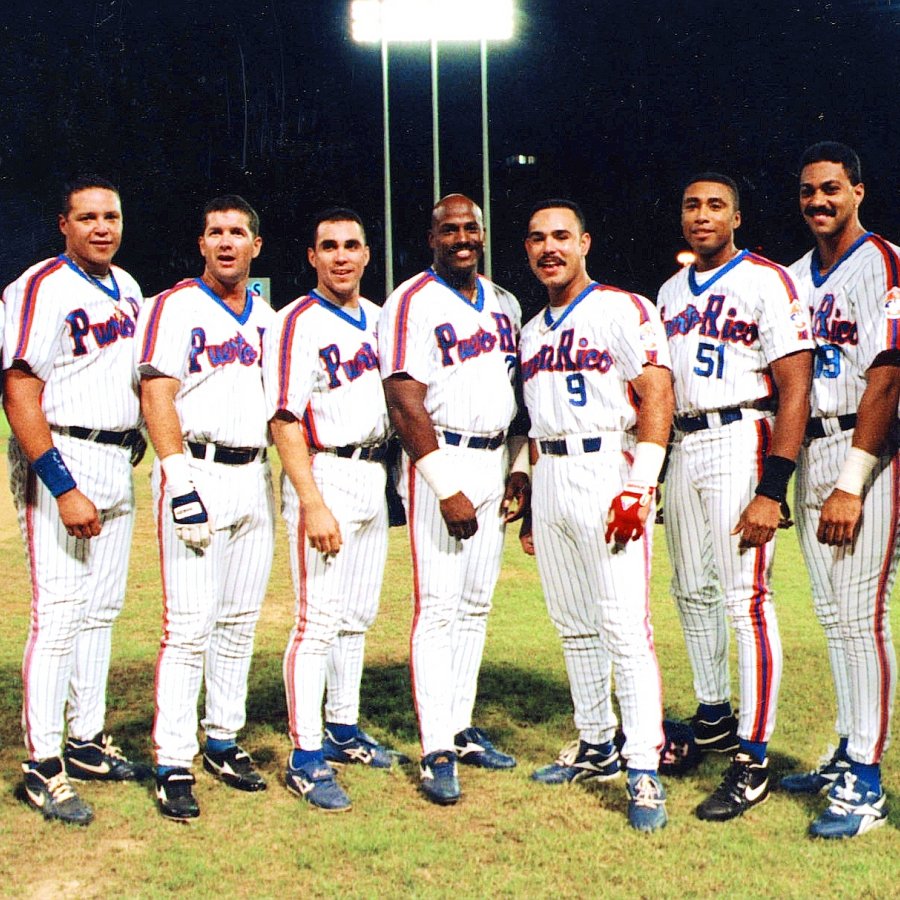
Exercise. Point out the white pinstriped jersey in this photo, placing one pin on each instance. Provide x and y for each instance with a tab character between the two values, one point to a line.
463	352
725	327
576	369
189	333
75	334
848	307
322	366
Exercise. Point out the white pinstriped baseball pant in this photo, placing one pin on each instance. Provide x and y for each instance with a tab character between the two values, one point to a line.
851	589
336	597
211	603
598	599
453	584
712	476
78	589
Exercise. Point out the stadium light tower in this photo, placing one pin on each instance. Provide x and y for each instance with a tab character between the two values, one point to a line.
431	21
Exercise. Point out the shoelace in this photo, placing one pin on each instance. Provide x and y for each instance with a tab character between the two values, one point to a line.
60	788
845	793
645	792
569	754
108	748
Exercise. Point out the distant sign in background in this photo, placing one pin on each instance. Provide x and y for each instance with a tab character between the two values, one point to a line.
262	287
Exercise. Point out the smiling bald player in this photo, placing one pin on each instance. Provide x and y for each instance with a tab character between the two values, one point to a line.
447	341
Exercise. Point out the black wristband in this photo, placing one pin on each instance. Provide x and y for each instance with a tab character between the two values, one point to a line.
776	474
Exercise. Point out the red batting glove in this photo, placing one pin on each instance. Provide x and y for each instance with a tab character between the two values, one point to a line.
624	522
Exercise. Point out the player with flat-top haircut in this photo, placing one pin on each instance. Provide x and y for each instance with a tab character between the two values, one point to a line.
742	361
848	481
597	384
72	403
200	354
447	343
330	424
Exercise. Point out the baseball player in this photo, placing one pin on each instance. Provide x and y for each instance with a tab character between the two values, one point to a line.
72	403
740	346
597	385
199	354
322	371
852	279
447	343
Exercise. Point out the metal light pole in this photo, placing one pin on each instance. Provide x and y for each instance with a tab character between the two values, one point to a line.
485	162
417	21
388	215
435	123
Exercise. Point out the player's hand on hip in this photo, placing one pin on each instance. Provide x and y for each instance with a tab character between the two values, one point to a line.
322	530
78	514
459	516
192	524
839	519
516	498
628	514
758	522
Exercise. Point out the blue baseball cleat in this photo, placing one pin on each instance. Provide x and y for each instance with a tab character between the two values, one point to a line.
581	761
438	774
831	768
318	786
853	809
646	802
362	749
473	748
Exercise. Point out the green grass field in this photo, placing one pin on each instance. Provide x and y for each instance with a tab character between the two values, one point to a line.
507	837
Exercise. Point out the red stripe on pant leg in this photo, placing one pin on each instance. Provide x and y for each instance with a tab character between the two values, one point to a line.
30	499
301	623
880	620
760	592
160	512
411	515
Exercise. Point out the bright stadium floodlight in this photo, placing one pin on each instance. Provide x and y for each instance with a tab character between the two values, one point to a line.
415	21
418	21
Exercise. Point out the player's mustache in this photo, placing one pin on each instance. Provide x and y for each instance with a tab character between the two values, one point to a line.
811	211
555	260
466	245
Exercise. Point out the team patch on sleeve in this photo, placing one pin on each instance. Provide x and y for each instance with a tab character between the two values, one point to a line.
892	303
798	317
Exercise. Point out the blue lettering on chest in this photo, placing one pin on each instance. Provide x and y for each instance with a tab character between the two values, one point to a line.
564	359
364	360
476	344
829	326
730	328
105	333
236	349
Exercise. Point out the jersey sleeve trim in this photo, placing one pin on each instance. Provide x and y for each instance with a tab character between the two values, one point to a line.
787	282
156	311
284	348
891	263
29	304
402	323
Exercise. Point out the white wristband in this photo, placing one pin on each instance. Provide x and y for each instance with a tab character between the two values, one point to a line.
648	461
518	454
438	470
856	469
178	474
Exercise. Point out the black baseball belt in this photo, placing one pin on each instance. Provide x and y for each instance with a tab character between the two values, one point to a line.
365	452
474	441
726	416
100	435
821	426
228	456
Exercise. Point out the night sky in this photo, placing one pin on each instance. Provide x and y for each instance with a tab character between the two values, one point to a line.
619	102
